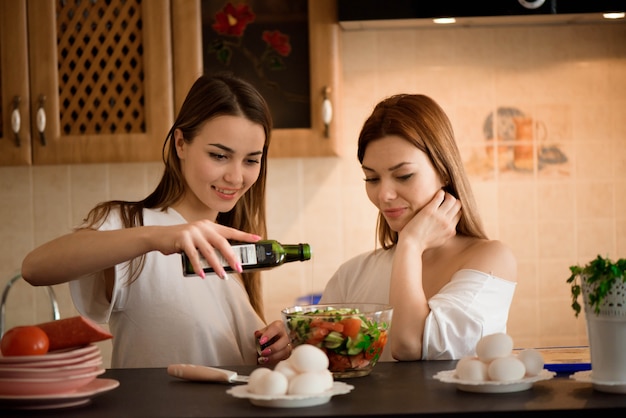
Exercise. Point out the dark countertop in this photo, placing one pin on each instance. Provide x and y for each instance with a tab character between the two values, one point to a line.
392	389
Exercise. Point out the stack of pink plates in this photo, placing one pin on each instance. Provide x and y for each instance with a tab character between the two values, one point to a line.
53	380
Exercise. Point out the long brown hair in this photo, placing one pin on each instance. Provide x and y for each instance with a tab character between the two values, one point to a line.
209	97
422	122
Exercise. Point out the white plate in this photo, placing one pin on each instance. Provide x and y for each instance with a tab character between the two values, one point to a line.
53	355
290	401
491	386
611	387
80	396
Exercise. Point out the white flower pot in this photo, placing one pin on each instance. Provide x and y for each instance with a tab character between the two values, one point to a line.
606	331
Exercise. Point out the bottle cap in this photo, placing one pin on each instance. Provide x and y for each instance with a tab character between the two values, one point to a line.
305	252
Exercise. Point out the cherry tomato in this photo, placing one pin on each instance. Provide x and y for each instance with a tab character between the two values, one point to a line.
27	340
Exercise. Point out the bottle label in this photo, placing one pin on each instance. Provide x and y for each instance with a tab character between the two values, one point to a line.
245	253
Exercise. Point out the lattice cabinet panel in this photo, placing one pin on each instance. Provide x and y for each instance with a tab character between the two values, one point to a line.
100	77
101	69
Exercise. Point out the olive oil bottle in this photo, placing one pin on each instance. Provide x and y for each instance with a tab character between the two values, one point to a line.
261	255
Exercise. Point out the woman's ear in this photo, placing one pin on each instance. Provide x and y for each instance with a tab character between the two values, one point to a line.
179	142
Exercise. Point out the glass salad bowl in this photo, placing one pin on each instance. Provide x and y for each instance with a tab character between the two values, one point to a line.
353	335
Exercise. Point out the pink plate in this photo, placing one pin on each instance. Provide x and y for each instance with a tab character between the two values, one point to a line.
25	387
53	355
53	362
50	372
80	396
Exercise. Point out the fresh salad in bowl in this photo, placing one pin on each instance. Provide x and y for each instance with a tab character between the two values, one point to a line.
352	336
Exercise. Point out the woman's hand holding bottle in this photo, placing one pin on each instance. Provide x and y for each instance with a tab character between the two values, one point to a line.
206	238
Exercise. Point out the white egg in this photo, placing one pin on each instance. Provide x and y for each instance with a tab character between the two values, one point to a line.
310	383
272	383
285	368
494	346
471	369
533	361
506	369
308	358
256	376
327	378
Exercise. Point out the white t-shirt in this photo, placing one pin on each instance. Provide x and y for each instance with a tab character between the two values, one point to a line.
164	317
471	305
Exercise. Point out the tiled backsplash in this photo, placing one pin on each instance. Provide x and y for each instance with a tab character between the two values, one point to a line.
557	199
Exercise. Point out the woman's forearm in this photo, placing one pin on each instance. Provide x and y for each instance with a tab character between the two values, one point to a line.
410	306
86	251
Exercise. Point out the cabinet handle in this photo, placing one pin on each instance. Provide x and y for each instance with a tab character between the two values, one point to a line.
327	111
41	119
16	120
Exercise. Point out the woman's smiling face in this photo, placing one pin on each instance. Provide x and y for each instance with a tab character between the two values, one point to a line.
400	179
222	162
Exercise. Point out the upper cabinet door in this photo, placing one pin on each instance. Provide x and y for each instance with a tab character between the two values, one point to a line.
318	139
100	80
15	146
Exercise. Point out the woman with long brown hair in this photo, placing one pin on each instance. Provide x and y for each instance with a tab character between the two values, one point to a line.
124	264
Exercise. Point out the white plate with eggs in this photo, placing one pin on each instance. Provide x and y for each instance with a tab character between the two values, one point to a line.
492	386
290	401
496	369
299	381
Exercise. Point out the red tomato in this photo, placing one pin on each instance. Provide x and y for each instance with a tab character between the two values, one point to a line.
351	327
320	333
376	349
27	340
316	335
331	326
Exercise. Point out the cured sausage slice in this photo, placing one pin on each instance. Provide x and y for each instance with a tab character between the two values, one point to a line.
73	332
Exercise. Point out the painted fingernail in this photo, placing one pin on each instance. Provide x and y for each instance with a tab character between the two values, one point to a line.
238	268
263	360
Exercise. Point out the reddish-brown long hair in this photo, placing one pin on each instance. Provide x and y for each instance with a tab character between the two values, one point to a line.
422	122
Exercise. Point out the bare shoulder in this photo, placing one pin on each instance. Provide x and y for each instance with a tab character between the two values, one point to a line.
493	257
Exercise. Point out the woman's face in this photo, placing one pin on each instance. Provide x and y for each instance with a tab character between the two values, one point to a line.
221	163
399	179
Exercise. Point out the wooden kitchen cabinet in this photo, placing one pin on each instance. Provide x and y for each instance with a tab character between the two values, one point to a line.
324	74
101	72
110	86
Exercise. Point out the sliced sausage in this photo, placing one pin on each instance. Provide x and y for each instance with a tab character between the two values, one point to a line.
73	332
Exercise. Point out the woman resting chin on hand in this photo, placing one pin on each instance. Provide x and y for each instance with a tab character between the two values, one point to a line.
448	284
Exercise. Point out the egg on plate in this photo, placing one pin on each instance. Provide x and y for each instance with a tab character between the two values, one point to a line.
305	372
496	361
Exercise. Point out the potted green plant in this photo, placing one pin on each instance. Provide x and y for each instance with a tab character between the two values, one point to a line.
600	275
601	284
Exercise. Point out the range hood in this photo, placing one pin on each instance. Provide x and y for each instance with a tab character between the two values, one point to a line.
380	14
